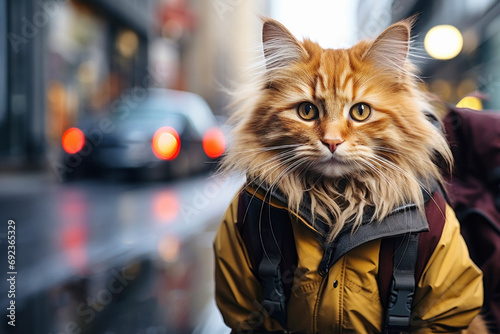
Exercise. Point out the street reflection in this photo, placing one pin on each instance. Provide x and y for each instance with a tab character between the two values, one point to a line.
115	257
174	288
169	248
127	213
165	206
74	229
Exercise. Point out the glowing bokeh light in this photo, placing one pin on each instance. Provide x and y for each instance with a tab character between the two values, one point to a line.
169	248
471	102
214	143
443	42
73	140
166	206
166	143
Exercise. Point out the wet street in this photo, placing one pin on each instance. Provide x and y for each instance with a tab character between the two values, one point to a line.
103	256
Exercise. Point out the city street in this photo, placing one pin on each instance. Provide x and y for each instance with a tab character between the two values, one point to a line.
107	256
115	114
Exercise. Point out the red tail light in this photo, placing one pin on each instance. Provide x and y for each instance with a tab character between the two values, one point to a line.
166	143
214	143
73	140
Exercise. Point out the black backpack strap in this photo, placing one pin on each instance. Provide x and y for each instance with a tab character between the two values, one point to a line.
264	229
403	284
273	296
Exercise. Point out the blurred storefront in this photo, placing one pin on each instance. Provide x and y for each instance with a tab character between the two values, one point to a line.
62	59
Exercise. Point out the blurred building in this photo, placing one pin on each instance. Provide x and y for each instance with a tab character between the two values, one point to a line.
60	59
474	68
218	55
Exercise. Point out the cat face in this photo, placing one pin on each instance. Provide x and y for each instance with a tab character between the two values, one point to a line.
341	112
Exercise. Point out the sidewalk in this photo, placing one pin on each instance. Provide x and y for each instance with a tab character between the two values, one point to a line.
26	182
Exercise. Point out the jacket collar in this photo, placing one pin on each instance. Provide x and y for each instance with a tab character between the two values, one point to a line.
402	220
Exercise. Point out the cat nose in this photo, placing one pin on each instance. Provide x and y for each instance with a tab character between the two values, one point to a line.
332	144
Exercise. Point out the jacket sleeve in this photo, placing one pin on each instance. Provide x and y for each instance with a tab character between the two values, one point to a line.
450	290
237	291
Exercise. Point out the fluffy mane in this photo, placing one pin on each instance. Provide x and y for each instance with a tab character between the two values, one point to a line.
382	163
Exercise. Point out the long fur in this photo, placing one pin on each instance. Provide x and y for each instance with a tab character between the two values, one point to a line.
477	326
386	159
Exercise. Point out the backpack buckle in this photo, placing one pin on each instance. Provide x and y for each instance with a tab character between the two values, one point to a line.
399	310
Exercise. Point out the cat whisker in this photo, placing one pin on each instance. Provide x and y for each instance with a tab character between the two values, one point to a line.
306	168
289	168
407	157
279	160
270	190
278	164
261	183
395	167
387	149
266	149
379	172
263	148
274	159
318	179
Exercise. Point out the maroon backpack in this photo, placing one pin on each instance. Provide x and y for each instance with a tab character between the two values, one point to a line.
474	194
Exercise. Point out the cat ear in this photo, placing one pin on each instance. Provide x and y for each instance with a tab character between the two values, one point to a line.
391	47
280	47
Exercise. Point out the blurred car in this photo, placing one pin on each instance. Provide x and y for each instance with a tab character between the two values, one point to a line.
152	132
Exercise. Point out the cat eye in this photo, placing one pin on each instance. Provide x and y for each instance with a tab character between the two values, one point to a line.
360	112
307	111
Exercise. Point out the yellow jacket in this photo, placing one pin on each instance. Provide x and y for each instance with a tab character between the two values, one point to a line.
449	293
